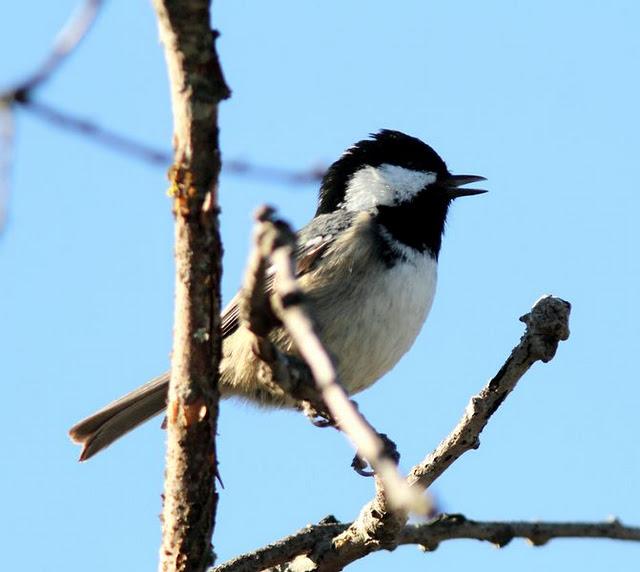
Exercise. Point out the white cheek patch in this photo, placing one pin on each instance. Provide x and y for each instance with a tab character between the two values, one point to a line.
384	185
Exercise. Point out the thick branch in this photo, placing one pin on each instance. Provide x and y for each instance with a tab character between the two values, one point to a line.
430	535
197	86
285	549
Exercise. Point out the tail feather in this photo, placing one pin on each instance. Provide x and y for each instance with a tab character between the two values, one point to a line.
121	416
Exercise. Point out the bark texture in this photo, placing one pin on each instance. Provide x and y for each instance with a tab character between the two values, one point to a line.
281	554
197	87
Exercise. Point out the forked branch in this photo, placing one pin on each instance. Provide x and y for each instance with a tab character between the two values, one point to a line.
332	546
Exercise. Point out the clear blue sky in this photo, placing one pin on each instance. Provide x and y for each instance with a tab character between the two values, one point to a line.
541	98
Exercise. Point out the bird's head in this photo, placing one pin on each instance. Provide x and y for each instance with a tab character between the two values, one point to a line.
389	169
400	179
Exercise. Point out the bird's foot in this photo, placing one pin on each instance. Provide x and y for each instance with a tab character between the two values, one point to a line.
359	464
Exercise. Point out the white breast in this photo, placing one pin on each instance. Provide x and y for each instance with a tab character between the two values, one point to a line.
381	309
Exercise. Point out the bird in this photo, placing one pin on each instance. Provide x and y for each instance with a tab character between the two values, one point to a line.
367	263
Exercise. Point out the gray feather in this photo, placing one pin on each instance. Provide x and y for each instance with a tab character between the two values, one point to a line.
121	416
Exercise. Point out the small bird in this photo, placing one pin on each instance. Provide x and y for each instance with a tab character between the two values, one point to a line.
367	263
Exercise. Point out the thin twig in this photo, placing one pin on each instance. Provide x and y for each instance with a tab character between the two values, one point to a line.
66	41
284	375
277	242
376	526
94	132
126	145
278	175
456	526
429	535
546	325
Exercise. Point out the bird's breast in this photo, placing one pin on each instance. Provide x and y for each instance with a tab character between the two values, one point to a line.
370	312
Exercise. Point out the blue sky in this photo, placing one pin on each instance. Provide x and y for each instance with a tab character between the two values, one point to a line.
541	98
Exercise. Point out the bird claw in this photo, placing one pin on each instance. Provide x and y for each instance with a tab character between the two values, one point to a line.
317	416
359	464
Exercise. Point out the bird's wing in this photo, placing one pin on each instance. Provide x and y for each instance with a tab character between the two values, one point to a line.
312	243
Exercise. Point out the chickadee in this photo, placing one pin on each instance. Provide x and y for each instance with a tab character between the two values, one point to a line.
368	264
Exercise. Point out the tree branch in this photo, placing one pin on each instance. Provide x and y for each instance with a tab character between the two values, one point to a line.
126	145
275	241
197	87
429	535
22	94
282	374
377	527
98	134
456	526
546	325
67	40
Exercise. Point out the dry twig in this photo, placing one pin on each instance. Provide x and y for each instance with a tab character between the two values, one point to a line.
275	241
546	325
377	527
67	40
65	43
128	146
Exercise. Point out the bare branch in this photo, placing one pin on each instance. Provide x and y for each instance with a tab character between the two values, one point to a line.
126	145
282	374
456	526
428	536
377	527
278	175
546	325
98	134
277	241
197	87
65	43
285	549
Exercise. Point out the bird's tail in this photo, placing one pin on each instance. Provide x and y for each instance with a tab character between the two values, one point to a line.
121	416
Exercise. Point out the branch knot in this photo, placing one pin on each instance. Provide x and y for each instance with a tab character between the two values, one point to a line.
547	324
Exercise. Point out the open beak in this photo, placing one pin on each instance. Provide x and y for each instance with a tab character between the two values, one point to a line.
454	182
